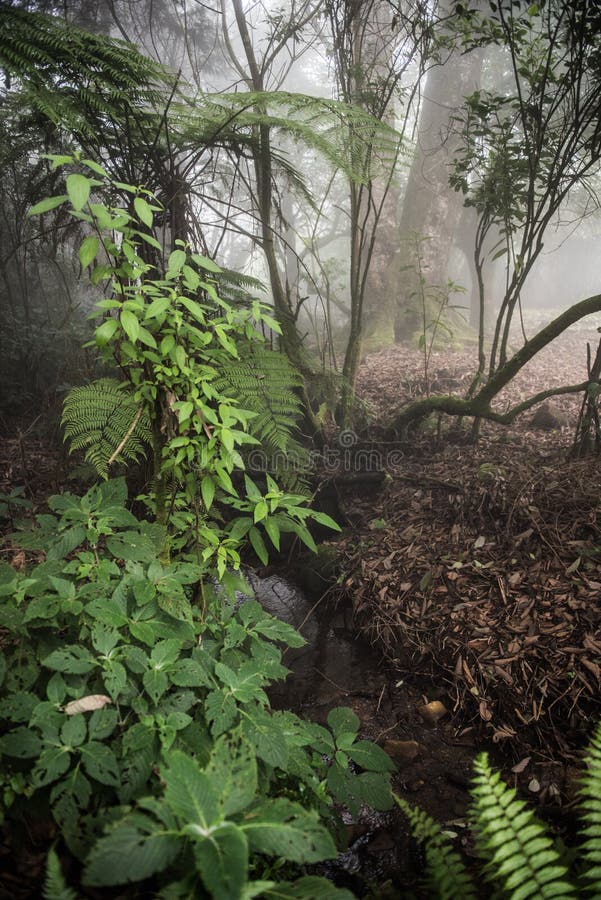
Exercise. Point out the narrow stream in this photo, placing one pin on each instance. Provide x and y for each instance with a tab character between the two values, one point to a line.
338	668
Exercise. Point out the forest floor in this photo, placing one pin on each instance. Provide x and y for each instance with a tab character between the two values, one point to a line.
475	570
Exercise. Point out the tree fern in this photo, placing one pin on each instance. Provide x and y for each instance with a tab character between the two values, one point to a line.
55	886
103	419
591	805
520	854
447	877
72	76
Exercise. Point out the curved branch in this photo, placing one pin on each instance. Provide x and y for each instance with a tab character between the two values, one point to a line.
479	405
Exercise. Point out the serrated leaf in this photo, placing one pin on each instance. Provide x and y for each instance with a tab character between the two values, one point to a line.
284	829
73	659
232	769
222	860
310	886
370	756
73	732
52	763
22	743
135	849
190	793
342	719
100	763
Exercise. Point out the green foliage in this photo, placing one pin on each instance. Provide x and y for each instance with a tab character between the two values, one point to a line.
445	871
133	705
521	857
102	418
591	806
198	377
520	853
55	886
264	381
73	77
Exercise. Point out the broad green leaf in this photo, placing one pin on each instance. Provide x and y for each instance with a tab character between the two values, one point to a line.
205	263
286	830
143	211
176	605
47	204
323	519
195	308
258	545
130	324
105	332
220	711
22	743
73	732
176	261
88	250
52	763
222	859
156	309
18	706
370	756
342	719
232	769
310	886
190	673
376	790
100	763
260	511
273	530
190	793
155	683
74	659
78	189
207	489
135	849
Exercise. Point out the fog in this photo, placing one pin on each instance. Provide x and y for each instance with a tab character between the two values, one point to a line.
369	241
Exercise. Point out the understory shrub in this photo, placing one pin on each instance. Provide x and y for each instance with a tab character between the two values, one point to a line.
136	719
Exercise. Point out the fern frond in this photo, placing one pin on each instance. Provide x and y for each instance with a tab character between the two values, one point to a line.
591	804
520	853
55	886
264	382
345	135
72	76
447	878
103	419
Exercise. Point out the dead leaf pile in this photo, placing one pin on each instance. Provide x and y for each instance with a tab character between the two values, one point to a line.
481	566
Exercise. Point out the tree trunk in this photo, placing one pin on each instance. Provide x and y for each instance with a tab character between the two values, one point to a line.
431	208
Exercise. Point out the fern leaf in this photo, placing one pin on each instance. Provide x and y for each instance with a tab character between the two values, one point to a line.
103	419
520	853
264	382
55	886
447	877
591	805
